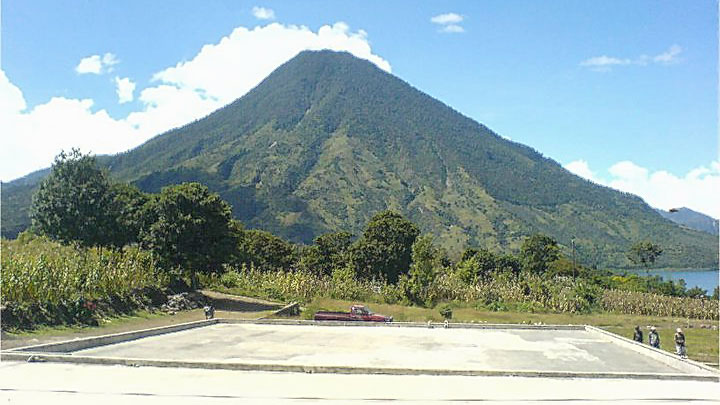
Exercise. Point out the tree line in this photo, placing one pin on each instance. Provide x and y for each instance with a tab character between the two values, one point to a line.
188	227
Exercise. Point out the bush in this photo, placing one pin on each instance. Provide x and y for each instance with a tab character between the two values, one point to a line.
446	311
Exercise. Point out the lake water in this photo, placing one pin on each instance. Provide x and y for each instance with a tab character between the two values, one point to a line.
705	279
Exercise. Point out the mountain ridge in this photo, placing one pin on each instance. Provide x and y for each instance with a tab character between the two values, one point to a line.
692	219
327	140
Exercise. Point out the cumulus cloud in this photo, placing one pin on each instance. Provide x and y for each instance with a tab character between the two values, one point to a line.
697	190
125	89
96	64
448	18
605	63
262	13
449	22
582	169
32	138
218	74
237	63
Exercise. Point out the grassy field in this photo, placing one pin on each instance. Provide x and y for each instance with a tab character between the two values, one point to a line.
702	344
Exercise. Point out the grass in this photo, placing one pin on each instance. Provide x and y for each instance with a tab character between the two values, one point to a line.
702	344
137	321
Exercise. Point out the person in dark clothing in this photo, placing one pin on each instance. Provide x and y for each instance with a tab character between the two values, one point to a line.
638	335
209	311
680	349
654	338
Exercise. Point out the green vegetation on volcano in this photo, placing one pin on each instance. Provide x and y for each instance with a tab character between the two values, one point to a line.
328	140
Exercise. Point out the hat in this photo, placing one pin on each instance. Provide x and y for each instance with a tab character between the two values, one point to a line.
652	328
679	330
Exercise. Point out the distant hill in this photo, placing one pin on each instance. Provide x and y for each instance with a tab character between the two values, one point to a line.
327	140
692	219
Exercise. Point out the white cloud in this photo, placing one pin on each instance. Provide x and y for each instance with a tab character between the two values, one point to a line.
698	189
96	64
449	22
228	69
452	28
217	75
582	169
124	88
36	136
603	60
448	18
11	98
262	13
605	63
669	56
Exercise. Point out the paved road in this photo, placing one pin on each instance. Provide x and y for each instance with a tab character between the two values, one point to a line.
55	383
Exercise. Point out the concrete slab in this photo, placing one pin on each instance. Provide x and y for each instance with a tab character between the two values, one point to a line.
572	351
53	383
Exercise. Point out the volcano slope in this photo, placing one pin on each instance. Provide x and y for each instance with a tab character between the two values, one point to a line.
328	140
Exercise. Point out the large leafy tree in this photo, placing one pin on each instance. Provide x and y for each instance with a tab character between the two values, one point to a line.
478	264
189	227
266	251
385	248
74	204
129	213
537	252
330	252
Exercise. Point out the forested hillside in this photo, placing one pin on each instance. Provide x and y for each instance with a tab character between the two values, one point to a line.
327	140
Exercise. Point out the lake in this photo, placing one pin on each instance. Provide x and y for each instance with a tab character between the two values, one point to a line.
705	279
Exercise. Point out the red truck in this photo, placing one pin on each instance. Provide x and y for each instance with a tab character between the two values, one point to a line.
357	313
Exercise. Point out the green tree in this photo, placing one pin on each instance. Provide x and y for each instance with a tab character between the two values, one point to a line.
329	252
267	251
696	292
74	204
129	213
189	227
509	263
386	246
644	253
537	252
426	261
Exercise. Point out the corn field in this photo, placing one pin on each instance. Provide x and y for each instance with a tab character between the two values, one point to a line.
659	305
527	291
42	272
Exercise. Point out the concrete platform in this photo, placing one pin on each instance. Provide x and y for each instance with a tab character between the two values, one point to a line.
397	348
403	349
223	361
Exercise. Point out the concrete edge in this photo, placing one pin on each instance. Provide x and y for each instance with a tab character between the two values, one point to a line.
290	309
96	341
64	358
662	356
264	321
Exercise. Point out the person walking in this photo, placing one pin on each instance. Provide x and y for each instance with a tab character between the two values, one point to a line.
654	338
638	335
680	349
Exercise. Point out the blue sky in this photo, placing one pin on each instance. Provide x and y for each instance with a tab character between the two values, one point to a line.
620	92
